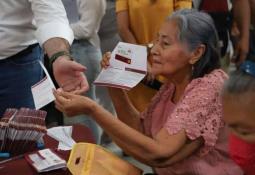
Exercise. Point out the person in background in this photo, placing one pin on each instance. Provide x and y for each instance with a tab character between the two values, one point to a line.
239	113
181	131
108	32
244	16
220	11
109	38
24	24
138	22
85	17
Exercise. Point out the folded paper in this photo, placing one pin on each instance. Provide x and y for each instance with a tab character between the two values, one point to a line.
128	66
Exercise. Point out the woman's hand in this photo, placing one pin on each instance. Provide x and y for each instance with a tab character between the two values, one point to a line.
72	104
150	77
105	60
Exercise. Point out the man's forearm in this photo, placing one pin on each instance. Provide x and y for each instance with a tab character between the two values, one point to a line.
55	45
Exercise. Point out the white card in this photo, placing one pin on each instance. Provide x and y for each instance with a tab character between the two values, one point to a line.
42	91
128	66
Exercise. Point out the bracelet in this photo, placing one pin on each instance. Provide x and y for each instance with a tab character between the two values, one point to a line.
56	55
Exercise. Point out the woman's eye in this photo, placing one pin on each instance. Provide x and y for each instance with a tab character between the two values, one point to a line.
166	43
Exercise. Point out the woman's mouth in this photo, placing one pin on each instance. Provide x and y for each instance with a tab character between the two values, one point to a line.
156	62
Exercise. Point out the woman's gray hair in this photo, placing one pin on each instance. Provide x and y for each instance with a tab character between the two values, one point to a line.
239	82
196	28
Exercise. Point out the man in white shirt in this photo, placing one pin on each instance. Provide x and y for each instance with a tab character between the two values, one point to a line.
85	17
24	23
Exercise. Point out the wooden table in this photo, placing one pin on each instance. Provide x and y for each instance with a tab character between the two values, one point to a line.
21	167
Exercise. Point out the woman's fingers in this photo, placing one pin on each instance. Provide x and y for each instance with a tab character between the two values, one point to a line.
105	60
61	97
59	107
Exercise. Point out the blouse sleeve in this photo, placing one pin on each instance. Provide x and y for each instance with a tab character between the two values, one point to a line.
199	112
181	4
121	5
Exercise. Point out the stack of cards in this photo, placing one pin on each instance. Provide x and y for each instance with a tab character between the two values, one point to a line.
21	129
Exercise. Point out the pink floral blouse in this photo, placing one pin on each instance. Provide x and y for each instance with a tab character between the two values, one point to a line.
199	113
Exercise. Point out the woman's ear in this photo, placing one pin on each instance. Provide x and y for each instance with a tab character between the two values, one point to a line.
197	54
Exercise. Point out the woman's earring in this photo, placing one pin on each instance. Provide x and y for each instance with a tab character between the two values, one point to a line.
192	69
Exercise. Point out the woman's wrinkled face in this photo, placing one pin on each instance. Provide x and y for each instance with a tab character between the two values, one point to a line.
169	55
239	114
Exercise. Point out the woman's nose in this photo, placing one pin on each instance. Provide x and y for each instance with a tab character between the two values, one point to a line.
155	49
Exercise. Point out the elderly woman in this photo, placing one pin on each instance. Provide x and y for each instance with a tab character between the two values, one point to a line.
182	131
138	23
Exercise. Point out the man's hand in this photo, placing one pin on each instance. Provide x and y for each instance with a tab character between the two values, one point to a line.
70	75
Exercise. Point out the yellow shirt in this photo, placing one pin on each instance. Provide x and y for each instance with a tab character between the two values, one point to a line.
146	17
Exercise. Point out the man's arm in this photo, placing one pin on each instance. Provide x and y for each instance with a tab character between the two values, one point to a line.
55	35
68	74
54	45
51	21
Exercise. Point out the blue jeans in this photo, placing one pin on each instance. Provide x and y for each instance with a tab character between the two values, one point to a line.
89	56
17	74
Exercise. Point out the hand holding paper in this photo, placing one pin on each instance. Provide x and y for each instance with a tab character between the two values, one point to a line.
127	67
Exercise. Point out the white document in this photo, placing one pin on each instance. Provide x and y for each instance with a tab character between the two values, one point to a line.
128	66
63	134
45	160
42	91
